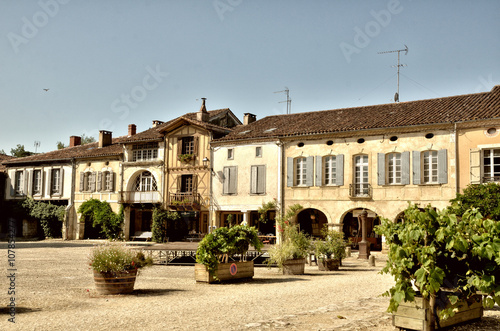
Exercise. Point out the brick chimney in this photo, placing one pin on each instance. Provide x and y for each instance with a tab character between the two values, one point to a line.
132	128
249	118
202	115
105	138
75	141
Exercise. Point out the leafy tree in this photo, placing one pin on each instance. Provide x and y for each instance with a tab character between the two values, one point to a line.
2	152
19	151
484	197
101	215
60	145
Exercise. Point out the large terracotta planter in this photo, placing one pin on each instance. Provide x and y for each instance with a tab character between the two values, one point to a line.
328	264
413	315
294	267
115	282
224	272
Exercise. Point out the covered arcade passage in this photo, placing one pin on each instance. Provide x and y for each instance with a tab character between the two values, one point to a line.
311	221
352	229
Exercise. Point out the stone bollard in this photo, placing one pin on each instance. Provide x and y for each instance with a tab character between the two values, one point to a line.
371	260
348	251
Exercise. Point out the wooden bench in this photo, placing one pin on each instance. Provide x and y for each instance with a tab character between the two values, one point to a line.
142	235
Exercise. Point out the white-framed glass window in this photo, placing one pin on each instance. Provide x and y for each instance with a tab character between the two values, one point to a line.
300	171
19	183
145	182
394	168
258	151
37	182
55	181
187	145
430	167
361	185
230	153
491	165
330	169
108	181
144	152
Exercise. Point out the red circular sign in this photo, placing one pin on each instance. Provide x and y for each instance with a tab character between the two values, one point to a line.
233	269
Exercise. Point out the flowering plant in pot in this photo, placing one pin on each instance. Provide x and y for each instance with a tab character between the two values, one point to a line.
331	250
115	267
293	245
224	246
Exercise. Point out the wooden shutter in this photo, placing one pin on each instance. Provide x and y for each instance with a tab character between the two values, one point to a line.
442	166
195	184
340	170
310	171
196	142
233	180
225	186
179	183
92	181
82	181
49	182
319	170
261	179
179	146
12	180
113	179
30	183
253	179
99	181
405	168
380	169
61	181
289	171
475	165
416	167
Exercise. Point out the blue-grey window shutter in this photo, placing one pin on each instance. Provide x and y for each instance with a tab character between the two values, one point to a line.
61	181
261	179
289	171
380	169
416	167
233	180
319	172
99	181
49	182
92	182
310	171
82	181
113	179
13	184
340	170
442	166
253	179
225	186
405	168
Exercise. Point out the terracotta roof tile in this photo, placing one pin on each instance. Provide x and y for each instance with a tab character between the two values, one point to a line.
4	158
433	111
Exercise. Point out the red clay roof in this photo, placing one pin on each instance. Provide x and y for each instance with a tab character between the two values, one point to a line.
4	158
460	108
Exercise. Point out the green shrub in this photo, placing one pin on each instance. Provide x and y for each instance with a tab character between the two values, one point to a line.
113	257
160	224
101	215
49	215
483	197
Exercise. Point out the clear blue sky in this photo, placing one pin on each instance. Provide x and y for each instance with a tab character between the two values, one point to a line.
111	63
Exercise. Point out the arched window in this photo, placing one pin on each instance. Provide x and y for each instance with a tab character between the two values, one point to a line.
145	182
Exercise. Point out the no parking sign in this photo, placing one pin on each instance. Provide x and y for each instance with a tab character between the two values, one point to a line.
233	269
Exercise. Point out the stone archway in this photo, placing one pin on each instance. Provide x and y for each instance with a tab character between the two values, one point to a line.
352	228
311	221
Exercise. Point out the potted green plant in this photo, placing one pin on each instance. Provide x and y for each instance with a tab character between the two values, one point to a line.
440	262
293	246
331	250
115	267
185	158
221	254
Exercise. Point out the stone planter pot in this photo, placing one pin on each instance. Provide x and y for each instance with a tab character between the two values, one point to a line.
413	315
225	272
115	282
328	264
294	267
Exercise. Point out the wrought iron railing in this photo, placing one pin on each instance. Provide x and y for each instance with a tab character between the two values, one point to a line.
183	200
360	191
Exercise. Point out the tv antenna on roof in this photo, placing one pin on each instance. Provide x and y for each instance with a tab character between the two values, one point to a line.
36	144
396	96
288	100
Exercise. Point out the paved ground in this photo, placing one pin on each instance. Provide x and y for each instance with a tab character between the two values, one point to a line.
55	291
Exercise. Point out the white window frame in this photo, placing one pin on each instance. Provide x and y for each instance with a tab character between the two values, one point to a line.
394	169
491	175
19	177
107	177
430	174
361	175
37	182
258	151
55	181
300	171
330	170
144	152
230	153
145	182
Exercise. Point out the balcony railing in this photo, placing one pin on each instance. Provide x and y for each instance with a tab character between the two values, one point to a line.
360	191
140	197
185	200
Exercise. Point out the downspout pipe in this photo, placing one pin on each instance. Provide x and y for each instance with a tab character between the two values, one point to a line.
457	163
